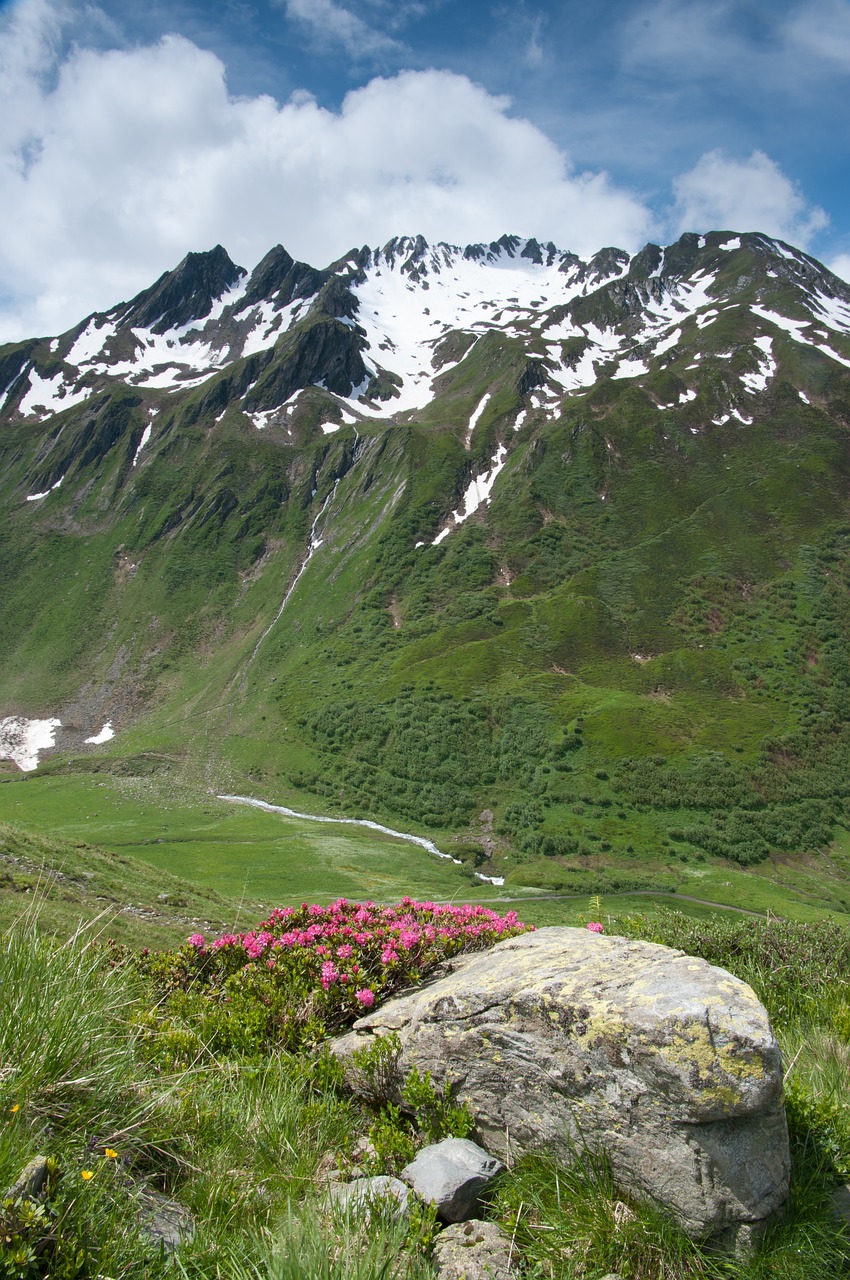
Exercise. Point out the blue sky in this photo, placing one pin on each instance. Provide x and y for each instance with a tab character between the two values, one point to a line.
131	133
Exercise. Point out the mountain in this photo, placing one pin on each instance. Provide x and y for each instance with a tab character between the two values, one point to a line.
546	556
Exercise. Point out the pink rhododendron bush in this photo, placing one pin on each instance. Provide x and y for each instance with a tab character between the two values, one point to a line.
307	971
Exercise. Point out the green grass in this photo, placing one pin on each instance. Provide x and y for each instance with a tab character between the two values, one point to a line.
235	851
240	1142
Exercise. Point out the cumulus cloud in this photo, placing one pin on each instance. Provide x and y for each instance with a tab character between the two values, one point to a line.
721	192
133	157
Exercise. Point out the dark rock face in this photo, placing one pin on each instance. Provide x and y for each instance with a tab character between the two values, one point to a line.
560	1039
184	294
328	351
280	278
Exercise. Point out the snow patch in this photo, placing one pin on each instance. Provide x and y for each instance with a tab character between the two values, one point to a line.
50	395
668	343
104	735
729	245
90	343
477	494
146	435
22	740
328	428
36	497
476	415
630	369
758	381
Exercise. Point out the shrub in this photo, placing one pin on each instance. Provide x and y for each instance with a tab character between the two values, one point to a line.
308	971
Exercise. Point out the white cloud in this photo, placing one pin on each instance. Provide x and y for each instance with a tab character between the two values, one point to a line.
330	23
133	157
533	56
822	28
743	195
840	264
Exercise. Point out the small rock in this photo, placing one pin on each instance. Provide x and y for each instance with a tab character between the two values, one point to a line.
473	1250
166	1222
362	1192
327	1169
839	1208
451	1174
30	1182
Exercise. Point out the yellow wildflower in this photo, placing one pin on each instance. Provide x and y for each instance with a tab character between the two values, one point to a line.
15	1108
86	1175
110	1154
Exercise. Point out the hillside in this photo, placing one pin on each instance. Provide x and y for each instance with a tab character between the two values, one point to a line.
545	558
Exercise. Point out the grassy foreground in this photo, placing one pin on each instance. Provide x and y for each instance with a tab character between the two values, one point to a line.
107	1072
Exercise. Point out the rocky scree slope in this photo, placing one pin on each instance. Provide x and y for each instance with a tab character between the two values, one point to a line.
546	552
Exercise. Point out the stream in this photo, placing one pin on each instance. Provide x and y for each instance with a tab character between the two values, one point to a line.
312	547
356	822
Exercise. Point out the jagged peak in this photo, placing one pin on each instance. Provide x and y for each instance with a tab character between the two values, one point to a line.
182	295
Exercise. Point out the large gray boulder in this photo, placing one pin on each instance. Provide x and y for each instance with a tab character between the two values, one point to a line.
562	1038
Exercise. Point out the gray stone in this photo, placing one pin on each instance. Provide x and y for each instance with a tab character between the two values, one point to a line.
472	1250
164	1221
839	1207
451	1174
563	1039
30	1182
358	1195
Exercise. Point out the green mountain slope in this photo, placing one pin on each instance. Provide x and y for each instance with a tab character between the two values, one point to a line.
634	648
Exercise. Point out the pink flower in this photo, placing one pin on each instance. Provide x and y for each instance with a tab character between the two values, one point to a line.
366	997
596	927
197	940
345	952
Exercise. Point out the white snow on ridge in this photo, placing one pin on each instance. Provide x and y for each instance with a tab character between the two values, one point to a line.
90	343
464	294
735	243
50	395
21	740
269	322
